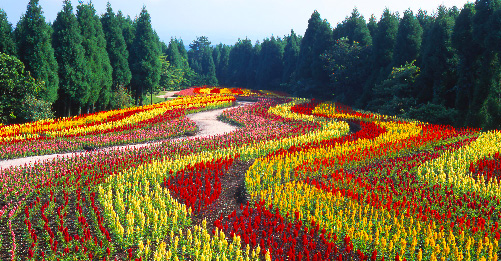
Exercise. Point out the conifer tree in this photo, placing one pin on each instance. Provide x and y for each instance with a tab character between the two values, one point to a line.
127	26
354	28
408	41
310	73
94	44
35	50
144	58
7	43
173	55
116	48
240	56
468	51
74	72
270	67
372	26
438	62
291	53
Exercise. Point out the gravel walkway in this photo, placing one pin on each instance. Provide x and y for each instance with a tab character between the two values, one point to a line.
207	123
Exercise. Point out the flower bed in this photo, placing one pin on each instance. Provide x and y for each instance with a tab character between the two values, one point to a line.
325	182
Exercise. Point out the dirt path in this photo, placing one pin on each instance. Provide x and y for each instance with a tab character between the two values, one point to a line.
168	94
207	123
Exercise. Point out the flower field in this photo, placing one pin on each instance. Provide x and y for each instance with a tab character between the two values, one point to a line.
299	180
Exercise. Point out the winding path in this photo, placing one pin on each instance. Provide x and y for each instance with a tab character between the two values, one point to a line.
207	123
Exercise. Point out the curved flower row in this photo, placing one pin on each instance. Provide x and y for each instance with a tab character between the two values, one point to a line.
320	189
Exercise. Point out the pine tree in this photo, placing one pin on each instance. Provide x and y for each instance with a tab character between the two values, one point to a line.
116	48
74	72
354	28
270	67
408	42
7	43
251	71
380	63
173	55
310	74
372	26
144	58
240	56
35	50
468	52
438	62
94	44
291	53
127	26
223	54
384	42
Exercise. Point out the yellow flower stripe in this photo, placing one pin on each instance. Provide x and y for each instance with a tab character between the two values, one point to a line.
452	168
371	228
76	125
140	217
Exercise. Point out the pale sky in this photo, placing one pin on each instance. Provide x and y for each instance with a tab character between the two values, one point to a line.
224	21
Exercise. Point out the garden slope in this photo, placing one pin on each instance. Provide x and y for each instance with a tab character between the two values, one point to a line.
207	123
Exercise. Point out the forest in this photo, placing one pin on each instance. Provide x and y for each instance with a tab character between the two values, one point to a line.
442	67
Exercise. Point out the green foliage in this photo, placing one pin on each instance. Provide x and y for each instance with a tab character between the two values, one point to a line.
354	28
221	55
171	77
394	95
120	99
408	41
144	62
16	85
201	61
432	113
128	31
291	53
270	68
34	109
310	66
372	26
35	49
74	71
94	44
7	44
240	56
116	48
438	62
346	62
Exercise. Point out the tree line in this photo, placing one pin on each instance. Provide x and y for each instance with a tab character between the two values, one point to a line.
441	67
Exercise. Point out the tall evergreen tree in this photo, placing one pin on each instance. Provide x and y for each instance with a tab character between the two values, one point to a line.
311	76
223	54
116	48
74	72
354	28
240	56
251	72
408	41
7	43
173	55
201	61
382	55
270	67
94	44
384	42
372	26
291	53
468	51
438	62
144	58
127	26
35	50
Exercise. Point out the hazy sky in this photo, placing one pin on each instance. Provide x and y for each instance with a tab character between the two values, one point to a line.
227	20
